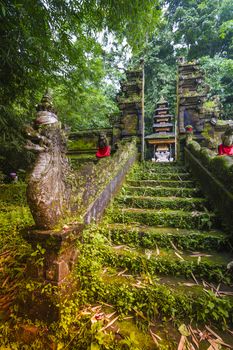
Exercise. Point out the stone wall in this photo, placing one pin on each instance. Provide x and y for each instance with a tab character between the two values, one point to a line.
215	175
97	183
87	140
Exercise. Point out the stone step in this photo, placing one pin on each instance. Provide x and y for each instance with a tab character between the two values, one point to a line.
165	237
173	283
162	202
166	299
152	165
162	191
207	266
161	183
162	169
162	176
165	218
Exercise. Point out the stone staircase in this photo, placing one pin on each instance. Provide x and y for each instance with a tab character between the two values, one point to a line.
166	247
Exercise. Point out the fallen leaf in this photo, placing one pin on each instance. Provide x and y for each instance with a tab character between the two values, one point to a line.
213	345
109	324
154	339
179	256
121	272
194	278
182	343
212	332
221	342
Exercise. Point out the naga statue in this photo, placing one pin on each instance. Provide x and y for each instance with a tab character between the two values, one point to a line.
226	148
49	189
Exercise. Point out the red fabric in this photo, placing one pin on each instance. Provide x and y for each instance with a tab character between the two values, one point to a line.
103	152
228	150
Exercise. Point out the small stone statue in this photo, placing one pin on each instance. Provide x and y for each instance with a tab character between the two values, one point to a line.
226	147
104	149
163	157
189	133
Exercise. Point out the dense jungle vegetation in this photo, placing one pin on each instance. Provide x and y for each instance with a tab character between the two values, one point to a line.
80	49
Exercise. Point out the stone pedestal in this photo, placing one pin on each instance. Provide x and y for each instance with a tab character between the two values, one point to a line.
49	270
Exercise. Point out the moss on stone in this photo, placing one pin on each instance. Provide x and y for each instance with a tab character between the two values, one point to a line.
164	218
162	202
82	144
162	191
150	237
161	183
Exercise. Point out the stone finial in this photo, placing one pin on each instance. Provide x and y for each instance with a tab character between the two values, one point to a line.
45	111
161	101
46	103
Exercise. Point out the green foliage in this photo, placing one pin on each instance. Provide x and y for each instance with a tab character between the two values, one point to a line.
13	194
57	44
196	30
219	74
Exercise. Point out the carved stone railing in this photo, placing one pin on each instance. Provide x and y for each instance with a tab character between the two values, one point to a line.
62	202
215	176
97	183
93	186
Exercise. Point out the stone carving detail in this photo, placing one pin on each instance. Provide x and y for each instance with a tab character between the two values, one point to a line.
226	148
227	137
48	191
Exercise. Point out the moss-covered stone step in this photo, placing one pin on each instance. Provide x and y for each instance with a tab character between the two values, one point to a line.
210	266
161	183
165	237
156	302
162	191
162	202
165	169
161	166
164	218
174	283
163	176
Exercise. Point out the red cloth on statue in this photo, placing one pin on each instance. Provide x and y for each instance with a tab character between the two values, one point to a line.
225	150
103	152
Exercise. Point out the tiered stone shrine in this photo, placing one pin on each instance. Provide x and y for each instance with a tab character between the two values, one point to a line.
192	93
163	138
130	103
